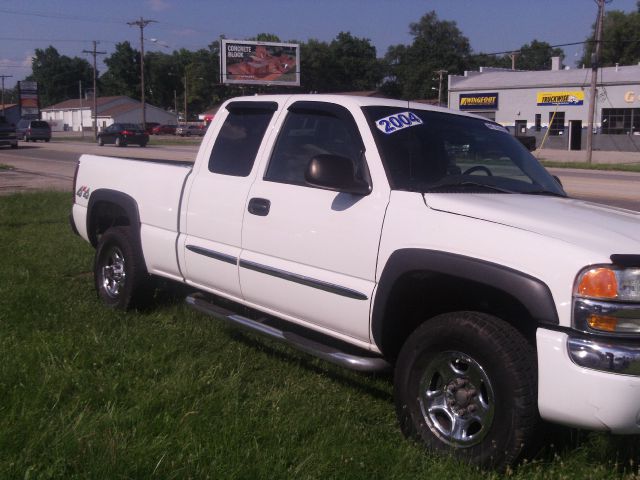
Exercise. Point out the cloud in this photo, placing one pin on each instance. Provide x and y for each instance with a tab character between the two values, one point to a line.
158	5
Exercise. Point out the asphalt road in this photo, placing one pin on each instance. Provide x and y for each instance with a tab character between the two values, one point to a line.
51	166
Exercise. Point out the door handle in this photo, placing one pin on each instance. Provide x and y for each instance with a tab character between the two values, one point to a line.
259	206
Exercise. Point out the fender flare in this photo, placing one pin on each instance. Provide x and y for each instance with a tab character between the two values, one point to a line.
124	201
535	295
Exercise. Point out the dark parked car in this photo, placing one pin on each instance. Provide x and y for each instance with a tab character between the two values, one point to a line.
122	134
33	130
191	130
164	129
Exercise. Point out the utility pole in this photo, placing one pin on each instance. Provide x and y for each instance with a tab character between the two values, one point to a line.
80	99
440	73
595	59
142	23
3	77
95	53
186	117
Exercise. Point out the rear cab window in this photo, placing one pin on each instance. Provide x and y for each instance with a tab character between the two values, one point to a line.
236	146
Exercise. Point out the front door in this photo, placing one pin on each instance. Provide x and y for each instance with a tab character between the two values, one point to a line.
575	135
309	254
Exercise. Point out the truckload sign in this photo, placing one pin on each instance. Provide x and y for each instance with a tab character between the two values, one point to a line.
260	63
560	98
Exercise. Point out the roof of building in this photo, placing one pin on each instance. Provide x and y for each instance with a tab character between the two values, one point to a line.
86	102
119	109
489	79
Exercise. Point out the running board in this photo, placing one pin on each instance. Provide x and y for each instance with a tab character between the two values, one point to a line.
312	347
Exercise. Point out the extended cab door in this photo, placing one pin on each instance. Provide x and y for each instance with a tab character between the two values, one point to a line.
309	254
210	239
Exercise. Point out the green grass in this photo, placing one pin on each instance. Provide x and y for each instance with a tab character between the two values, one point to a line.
623	167
87	392
6	167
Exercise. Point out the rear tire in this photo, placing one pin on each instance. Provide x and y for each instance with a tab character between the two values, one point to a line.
465	385
120	274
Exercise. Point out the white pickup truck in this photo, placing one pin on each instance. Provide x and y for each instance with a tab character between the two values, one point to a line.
376	233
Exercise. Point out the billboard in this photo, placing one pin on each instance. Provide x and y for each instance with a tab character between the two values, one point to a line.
259	63
478	101
560	98
28	99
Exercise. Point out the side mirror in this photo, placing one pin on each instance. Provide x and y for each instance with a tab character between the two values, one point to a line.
335	173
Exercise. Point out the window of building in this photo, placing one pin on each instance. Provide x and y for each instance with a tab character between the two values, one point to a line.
236	147
556	127
620	121
306	133
538	122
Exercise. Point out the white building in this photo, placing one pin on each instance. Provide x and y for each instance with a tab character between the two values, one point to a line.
77	114
557	101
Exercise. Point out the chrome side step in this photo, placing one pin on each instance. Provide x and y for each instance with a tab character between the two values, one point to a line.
320	350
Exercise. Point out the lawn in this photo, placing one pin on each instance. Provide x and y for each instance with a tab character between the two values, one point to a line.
170	393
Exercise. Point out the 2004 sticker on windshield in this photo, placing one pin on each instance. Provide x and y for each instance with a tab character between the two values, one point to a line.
398	121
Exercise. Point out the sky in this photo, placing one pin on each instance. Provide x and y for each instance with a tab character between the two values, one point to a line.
71	25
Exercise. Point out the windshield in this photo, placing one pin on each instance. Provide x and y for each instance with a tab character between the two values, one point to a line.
427	151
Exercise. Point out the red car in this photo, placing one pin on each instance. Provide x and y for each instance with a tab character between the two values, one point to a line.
164	130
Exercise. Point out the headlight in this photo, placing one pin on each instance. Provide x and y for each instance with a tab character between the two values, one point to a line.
607	300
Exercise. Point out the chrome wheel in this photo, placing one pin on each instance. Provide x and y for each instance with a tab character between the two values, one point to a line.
456	399
113	273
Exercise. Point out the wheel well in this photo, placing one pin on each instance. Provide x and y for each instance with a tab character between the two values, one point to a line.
419	296
104	215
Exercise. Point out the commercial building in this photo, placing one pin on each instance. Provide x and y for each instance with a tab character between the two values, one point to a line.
77	114
553	105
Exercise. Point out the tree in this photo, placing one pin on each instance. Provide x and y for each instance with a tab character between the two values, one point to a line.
346	64
436	45
537	56
123	72
58	76
621	39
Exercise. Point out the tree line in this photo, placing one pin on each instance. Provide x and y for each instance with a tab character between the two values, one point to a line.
346	63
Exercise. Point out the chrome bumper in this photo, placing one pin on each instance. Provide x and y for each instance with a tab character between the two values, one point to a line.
605	356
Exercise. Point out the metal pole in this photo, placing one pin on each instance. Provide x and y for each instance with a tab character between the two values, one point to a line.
80	98
95	53
440	75
185	98
595	59
142	23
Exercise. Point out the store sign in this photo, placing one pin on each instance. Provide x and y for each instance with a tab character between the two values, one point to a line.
630	97
574	98
28	99
260	63
478	101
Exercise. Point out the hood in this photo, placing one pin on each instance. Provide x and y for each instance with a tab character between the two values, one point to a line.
589	225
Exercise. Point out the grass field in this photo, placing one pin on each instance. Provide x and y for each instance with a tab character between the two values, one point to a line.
621	167
169	393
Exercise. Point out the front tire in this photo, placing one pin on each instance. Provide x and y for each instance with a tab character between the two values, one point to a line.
465	384
120	274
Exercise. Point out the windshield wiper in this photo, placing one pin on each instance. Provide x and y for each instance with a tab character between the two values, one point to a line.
467	183
546	192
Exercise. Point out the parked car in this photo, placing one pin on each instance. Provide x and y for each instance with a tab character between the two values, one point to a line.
8	133
149	126
122	134
191	130
164	130
33	130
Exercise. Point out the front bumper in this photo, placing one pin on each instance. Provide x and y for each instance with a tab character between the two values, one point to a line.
588	384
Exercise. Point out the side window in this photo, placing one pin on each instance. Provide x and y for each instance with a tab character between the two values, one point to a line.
237	144
307	133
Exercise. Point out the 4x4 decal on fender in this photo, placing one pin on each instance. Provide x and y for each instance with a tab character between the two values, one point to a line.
83	192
